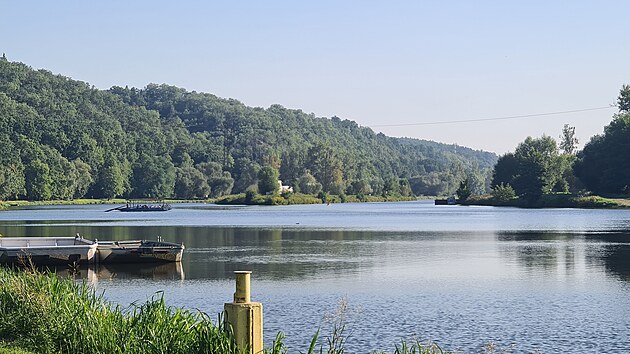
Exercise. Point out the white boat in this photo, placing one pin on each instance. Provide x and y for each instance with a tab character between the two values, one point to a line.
47	250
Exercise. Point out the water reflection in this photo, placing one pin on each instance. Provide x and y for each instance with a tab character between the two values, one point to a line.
545	280
565	254
95	272
284	254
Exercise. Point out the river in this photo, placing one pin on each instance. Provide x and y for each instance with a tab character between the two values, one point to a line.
527	280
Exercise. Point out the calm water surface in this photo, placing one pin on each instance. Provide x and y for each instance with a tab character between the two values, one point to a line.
553	280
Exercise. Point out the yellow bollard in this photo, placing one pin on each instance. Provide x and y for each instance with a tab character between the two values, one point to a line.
245	317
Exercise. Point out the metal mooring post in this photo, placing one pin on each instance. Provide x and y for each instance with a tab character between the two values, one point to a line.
245	317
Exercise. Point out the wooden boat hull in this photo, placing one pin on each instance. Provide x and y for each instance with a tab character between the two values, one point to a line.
76	250
139	252
47	250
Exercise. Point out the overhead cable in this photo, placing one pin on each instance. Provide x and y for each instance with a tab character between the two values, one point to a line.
494	118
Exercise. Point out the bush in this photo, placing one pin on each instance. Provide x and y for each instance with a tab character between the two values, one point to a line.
503	193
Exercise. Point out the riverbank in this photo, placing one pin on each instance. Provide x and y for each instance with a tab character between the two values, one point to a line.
553	201
43	313
297	198
233	199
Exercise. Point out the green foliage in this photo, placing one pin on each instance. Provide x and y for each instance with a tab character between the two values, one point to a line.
326	167
463	192
47	314
503	193
535	168
268	180
190	183
603	165
154	177
568	141
111	182
307	184
623	101
38	181
74	140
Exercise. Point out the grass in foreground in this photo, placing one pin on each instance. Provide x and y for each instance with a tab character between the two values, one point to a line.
42	313
46	314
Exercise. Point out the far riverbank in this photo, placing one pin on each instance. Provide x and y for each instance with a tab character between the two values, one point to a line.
234	199
553	201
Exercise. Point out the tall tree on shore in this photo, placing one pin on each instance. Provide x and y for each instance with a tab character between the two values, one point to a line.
326	167
623	101
603	165
568	141
535	168
268	180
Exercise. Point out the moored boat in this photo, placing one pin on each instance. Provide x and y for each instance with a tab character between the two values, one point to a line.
139	251
77	250
141	206
47	250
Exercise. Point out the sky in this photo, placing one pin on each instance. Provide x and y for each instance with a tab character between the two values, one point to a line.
393	66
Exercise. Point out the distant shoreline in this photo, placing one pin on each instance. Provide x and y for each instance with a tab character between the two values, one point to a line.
554	201
234	199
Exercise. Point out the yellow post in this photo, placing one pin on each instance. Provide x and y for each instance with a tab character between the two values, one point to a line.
244	316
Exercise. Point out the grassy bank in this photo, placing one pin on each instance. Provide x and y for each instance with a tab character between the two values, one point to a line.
297	198
233	199
42	313
554	201
26	203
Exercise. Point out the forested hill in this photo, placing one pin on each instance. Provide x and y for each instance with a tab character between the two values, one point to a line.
61	138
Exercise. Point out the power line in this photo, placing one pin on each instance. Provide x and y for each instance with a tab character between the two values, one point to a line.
495	118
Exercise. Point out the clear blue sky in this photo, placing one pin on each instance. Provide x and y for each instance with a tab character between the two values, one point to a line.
375	62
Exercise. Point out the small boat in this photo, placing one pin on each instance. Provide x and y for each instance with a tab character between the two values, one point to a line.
139	251
77	250
134	205
47	250
448	201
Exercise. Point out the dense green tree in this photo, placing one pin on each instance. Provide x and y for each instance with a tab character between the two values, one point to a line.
307	184
268	180
361	186
405	188
111	181
245	174
535	168
603	165
190	183
325	166
82	178
503	193
568	141
391	186
12	183
154	177
623	101
220	182
463	191
38	181
221	185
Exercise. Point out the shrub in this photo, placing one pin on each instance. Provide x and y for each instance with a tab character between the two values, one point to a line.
503	193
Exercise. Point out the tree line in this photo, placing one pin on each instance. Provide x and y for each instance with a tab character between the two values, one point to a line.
63	139
541	166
